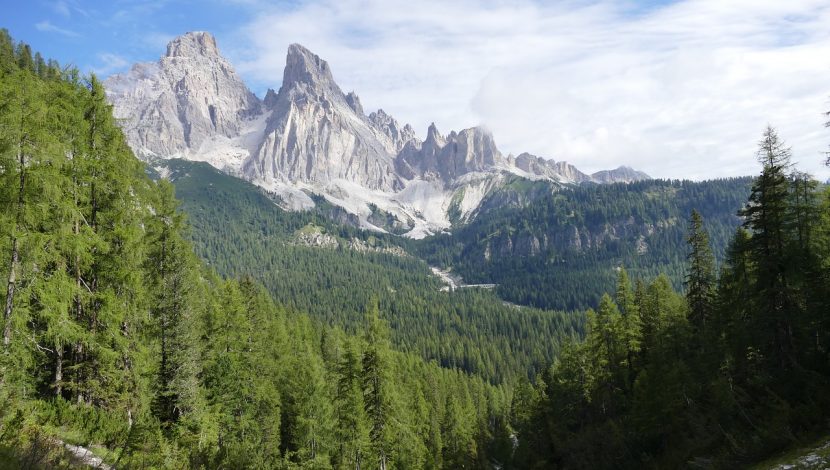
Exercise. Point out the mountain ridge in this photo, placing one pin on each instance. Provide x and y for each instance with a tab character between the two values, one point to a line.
311	137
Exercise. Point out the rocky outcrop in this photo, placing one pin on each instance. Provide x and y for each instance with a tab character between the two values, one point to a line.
558	171
315	134
387	125
448	158
186	99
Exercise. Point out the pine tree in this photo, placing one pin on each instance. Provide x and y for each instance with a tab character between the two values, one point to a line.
7	60
605	348
69	245
25	152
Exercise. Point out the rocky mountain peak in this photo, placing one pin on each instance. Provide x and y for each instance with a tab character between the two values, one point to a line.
311	135
270	99
390	127
354	102
624	174
319	135
180	105
305	67
434	137
193	44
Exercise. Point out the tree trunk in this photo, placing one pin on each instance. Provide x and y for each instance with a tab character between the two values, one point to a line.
7	313
79	358
59	371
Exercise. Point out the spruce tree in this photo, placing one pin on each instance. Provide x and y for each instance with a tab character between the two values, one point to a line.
376	384
631	323
350	415
171	283
700	279
768	217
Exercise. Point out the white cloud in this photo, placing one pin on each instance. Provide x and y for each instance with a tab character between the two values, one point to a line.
683	90
47	26
61	8
110	63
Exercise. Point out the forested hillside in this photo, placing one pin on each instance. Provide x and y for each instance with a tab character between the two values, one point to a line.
116	337
560	247
469	329
722	376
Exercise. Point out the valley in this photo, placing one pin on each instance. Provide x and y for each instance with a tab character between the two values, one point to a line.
198	277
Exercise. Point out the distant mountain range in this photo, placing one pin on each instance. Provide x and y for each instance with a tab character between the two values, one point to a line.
312	138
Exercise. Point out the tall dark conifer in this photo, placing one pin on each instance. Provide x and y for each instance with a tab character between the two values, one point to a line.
768	217
700	279
376	384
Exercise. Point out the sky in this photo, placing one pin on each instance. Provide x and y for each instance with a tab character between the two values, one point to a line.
678	89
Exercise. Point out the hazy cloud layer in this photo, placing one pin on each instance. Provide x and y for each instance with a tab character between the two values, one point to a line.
681	90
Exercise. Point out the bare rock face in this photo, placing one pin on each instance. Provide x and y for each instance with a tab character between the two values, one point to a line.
386	124
447	158
421	159
471	150
311	136
317	134
557	171
172	107
623	174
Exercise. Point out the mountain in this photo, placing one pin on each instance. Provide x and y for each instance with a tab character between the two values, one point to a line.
317	134
561	248
312	264
310	137
623	174
190	104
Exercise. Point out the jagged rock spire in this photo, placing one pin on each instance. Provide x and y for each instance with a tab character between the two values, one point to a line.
193	44
305	67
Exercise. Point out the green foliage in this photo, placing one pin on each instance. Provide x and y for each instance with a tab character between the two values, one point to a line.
117	338
700	282
561	247
469	329
725	376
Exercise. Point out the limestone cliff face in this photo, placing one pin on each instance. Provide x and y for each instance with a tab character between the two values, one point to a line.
318	134
174	106
448	158
559	171
310	136
623	174
389	126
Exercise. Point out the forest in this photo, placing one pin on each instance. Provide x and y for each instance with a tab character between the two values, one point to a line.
118	338
562	250
720	376
468	329
193	333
